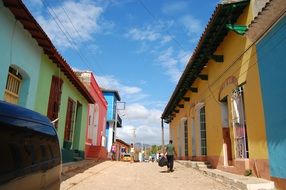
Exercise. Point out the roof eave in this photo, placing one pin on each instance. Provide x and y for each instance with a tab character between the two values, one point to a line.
179	91
21	13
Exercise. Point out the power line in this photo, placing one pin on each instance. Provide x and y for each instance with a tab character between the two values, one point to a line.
66	34
75	28
211	95
246	61
157	21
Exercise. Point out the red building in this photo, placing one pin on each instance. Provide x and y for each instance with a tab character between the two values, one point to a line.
95	146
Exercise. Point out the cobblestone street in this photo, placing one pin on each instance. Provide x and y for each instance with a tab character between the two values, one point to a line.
124	175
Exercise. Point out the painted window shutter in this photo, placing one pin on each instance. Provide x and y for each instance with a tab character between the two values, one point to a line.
55	99
69	120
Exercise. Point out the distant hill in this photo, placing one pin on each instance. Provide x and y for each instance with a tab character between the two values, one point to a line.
140	145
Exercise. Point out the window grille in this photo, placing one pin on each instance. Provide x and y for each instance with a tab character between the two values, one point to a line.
12	86
239	124
203	132
186	137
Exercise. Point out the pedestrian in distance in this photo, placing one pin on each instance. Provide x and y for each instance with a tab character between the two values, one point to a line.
170	151
132	151
113	151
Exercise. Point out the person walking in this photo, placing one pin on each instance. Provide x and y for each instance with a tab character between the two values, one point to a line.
113	152
170	150
132	151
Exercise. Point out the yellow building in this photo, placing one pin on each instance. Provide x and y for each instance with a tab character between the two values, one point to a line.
215	112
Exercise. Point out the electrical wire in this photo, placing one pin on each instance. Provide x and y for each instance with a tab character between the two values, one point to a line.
76	30
157	21
66	34
211	95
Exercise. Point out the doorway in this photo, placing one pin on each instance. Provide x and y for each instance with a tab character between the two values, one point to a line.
239	123
227	150
69	120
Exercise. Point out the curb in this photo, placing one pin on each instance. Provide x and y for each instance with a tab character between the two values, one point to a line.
71	166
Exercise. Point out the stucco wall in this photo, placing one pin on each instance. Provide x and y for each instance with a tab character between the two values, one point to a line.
19	50
47	70
110	105
272	67
242	65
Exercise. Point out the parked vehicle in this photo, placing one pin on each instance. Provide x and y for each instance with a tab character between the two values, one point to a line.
126	157
30	152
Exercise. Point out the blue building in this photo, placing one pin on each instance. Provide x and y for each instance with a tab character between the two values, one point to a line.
268	32
113	120
20	61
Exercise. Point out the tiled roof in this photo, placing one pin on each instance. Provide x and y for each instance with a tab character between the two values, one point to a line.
226	12
23	15
271	12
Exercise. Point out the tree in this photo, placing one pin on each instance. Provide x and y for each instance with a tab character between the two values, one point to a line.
154	149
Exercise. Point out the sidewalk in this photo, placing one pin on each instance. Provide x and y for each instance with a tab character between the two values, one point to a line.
237	182
71	166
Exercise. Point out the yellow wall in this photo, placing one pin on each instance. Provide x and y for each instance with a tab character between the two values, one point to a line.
244	68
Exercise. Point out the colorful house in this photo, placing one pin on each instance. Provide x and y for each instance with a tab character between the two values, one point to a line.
215	113
268	33
121	148
95	131
35	76
20	60
113	121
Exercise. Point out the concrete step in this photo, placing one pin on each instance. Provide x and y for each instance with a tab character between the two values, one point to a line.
204	166
240	182
236	182
77	158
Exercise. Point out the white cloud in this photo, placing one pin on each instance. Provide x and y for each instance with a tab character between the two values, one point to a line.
136	111
174	7
131	89
130	93
192	25
151	33
170	64
166	39
142	35
143	134
173	62
139	114
79	19
183	57
146	120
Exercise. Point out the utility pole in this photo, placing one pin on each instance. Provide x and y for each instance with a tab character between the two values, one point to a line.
162	125
133	135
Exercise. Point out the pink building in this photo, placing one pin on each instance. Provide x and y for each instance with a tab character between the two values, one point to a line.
95	146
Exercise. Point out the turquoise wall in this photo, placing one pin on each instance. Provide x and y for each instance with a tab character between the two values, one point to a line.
47	70
19	50
110	98
271	52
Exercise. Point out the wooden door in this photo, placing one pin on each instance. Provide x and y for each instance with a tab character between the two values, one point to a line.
227	141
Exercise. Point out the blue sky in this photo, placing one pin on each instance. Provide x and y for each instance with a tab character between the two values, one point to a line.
138	47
